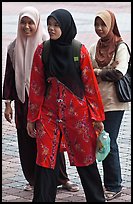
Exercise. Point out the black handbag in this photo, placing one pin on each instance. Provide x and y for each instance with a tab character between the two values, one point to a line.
123	85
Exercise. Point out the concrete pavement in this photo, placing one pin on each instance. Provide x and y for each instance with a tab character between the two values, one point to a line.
13	180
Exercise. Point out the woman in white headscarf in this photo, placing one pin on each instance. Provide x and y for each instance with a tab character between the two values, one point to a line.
20	53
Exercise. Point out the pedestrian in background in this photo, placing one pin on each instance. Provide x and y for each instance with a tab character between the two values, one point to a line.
108	71
20	53
63	103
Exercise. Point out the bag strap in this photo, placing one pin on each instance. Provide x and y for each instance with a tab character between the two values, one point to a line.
118	46
76	52
46	47
129	62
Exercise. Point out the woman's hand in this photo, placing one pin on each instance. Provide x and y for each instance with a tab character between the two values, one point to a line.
99	145
8	112
98	126
114	64
31	129
97	73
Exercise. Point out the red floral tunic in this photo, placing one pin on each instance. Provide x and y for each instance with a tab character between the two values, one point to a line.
59	111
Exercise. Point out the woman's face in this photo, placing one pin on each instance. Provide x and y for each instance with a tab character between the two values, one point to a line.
100	28
27	26
54	29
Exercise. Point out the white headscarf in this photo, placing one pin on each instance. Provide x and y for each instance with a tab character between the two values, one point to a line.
24	51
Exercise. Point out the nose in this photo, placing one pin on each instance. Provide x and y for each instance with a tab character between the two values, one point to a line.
26	25
50	27
99	27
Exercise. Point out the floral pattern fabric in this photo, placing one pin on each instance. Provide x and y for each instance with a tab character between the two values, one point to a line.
57	111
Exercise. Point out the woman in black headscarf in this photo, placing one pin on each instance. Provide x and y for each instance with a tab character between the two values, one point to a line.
61	64
64	106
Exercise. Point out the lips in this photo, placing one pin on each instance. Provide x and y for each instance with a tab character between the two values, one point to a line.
27	31
99	32
51	33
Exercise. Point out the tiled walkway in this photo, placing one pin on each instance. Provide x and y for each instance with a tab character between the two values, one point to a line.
12	178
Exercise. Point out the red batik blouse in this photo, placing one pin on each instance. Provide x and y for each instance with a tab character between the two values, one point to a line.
57	111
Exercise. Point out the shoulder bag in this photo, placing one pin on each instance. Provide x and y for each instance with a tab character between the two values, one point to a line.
123	85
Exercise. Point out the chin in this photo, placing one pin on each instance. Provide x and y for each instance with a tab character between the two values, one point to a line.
28	34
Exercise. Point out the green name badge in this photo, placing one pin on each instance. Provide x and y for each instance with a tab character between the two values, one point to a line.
76	59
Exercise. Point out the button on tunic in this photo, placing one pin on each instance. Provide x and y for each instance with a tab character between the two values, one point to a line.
57	111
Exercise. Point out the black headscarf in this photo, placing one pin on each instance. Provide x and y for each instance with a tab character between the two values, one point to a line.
61	63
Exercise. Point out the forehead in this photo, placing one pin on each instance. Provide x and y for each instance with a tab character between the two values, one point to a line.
26	18
99	20
52	20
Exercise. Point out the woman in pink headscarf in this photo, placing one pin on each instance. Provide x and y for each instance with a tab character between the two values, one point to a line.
20	53
108	71
16	84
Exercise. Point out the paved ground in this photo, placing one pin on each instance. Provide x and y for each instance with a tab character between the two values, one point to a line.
12	178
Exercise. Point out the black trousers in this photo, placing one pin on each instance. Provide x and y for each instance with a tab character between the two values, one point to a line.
46	183
91	182
62	176
27	152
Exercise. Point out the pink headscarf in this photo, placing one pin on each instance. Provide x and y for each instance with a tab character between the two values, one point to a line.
24	51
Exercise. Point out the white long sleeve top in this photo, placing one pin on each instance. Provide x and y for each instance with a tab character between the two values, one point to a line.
107	89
